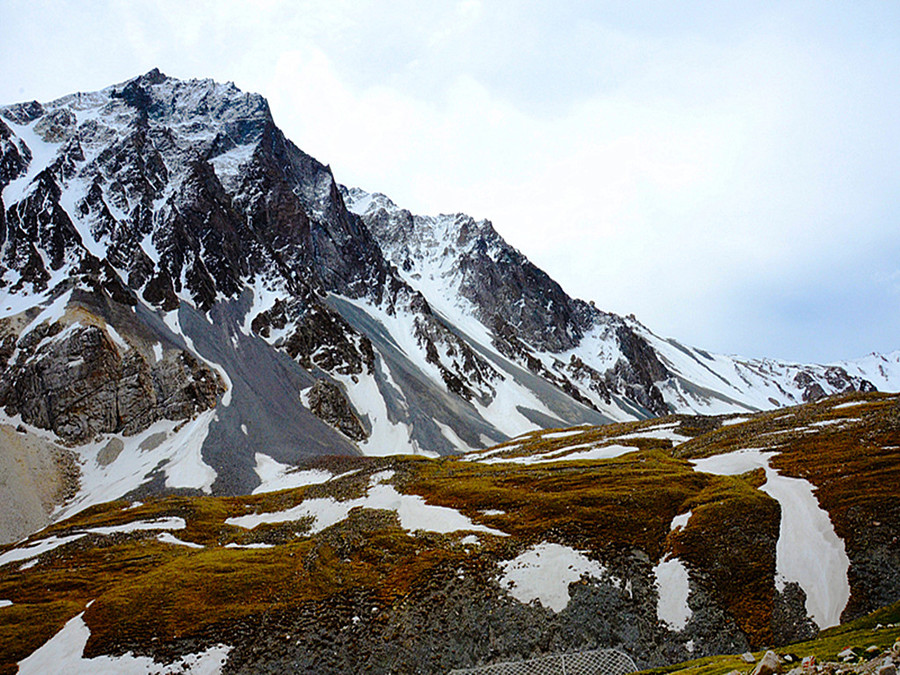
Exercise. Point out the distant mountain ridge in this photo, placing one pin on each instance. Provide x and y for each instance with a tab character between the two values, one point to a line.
466	269
169	255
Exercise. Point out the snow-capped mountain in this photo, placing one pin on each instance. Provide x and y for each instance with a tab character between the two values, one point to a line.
185	296
471	276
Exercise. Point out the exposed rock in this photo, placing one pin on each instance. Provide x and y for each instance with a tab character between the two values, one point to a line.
789	620
110	451
328	403
636	373
769	664
838	380
73	380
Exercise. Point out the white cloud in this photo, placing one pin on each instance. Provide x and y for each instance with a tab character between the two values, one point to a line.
658	162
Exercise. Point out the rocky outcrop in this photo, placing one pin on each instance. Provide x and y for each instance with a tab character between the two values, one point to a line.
316	336
75	380
636	373
492	275
838	381
327	402
14	157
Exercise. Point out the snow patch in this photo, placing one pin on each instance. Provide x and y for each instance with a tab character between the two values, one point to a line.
851	404
179	453
38	548
680	521
563	434
167	538
63	654
274	475
51	313
138	525
451	436
42	154
592	452
228	165
263	299
544	572
412	510
186	467
387	437
672	585
49	543
734	420
118	339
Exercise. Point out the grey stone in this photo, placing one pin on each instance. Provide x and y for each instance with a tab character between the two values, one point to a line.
78	385
110	451
328	403
769	664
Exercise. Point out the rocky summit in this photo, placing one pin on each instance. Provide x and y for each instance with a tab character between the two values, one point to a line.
194	313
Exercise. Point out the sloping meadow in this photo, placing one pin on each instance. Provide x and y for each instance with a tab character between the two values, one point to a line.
556	541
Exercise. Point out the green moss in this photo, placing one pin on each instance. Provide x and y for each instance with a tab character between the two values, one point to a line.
145	589
860	633
627	501
731	537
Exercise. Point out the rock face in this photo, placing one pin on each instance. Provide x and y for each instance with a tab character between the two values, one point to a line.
328	403
76	381
838	379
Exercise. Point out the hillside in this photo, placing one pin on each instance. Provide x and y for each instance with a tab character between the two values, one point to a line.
673	538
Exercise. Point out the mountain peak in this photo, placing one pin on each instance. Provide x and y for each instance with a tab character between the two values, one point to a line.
154	76
179	217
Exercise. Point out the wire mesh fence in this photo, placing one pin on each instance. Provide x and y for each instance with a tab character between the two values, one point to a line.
597	662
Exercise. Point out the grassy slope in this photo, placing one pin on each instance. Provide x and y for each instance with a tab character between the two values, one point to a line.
146	590
881	628
851	453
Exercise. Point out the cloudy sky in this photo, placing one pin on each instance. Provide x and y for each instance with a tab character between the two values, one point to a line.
729	172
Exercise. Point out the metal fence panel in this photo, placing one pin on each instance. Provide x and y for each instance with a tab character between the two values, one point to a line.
597	662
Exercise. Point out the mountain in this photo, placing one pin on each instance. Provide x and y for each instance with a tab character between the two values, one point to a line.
187	298
673	538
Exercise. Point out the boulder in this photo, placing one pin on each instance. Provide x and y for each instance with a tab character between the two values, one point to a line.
769	664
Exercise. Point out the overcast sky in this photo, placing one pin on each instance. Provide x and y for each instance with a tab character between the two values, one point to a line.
729	172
